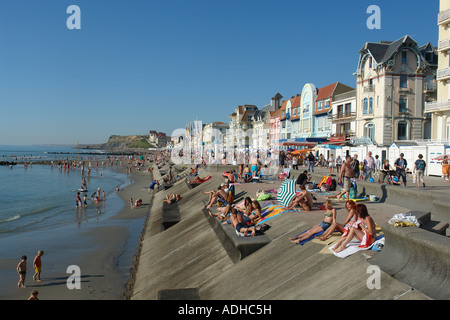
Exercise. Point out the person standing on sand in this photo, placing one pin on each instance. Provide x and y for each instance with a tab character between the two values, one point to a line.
22	271
37	265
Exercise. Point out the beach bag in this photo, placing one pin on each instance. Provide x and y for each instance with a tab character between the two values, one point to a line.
352	194
421	165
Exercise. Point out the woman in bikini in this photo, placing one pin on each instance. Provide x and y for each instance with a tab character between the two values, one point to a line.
329	219
350	205
363	230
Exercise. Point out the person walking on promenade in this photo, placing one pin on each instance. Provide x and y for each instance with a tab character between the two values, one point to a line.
377	166
419	168
346	174
311	160
331	164
37	265
338	165
355	166
369	166
400	164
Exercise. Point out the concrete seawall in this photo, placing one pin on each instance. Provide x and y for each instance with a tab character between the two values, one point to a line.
198	255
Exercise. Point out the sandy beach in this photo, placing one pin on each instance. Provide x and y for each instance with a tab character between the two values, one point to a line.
103	251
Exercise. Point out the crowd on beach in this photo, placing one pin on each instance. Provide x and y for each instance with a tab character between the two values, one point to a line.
84	166
245	217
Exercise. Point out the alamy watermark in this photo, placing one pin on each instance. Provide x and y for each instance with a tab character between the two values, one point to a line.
374	280
74	280
74	20
374	21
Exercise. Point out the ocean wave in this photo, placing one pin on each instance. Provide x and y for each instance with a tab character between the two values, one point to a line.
18	216
11	218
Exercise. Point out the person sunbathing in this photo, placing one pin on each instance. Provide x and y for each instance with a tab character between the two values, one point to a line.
350	205
199	180
237	221
303	198
363	230
172	198
216	195
330	217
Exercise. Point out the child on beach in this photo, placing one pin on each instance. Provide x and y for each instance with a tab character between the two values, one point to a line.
22	271
78	200
34	295
37	265
445	170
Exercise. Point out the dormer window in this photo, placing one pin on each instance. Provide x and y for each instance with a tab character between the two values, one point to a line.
404	57
319	105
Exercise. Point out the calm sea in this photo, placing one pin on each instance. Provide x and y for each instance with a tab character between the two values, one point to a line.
39	197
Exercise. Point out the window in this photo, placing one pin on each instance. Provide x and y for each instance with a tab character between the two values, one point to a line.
365	106
403	81
403	105
282	114
294	112
340	109
327	104
404	57
370	62
369	131
402	133
319	105
348	109
371	106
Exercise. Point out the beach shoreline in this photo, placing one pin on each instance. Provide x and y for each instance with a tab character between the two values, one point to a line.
103	251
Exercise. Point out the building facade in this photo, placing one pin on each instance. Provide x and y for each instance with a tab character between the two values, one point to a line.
440	109
343	117
323	108
391	91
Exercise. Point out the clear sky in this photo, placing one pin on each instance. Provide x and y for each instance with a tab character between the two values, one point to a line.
141	65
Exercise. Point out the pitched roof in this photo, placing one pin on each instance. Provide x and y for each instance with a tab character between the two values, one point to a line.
326	92
382	52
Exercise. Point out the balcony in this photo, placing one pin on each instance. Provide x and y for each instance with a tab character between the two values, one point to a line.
369	88
437	106
342	116
444	45
444	17
443	74
343	135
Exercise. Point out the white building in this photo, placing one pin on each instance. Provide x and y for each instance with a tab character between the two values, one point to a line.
440	109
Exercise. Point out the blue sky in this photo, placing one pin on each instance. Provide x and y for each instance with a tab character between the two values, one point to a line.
141	65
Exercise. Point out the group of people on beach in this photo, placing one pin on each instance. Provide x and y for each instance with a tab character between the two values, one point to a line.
22	271
357	225
81	201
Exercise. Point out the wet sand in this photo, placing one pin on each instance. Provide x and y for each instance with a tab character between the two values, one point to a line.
103	250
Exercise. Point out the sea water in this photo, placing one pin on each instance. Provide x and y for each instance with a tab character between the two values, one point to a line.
43	196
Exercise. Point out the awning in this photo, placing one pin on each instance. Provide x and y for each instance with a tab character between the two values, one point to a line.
299	144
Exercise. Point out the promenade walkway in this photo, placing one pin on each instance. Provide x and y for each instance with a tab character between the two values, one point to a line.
200	259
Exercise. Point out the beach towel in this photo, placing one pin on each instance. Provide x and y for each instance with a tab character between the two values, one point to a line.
310	238
354	246
270	211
